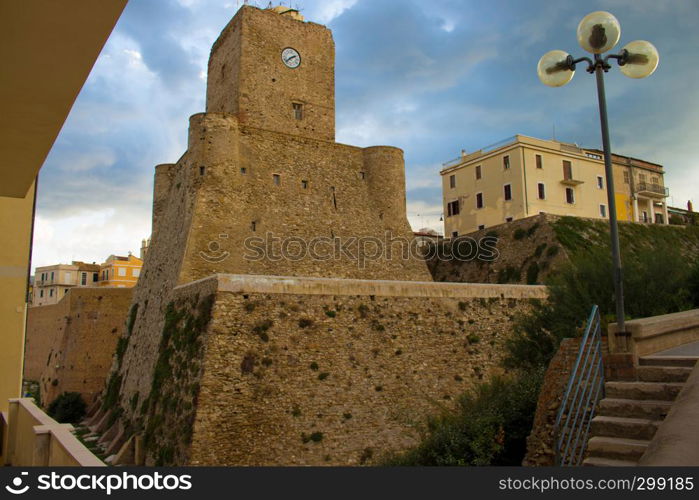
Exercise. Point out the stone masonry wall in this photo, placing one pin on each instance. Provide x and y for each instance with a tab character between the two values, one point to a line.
45	324
325	378
528	251
70	344
247	77
540	443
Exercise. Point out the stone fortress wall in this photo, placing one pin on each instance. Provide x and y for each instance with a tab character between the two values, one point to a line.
69	345
260	370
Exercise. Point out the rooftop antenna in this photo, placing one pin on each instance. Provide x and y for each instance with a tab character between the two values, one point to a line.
554	131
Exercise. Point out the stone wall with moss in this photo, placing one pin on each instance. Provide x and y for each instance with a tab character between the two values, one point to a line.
528	250
69	345
330	378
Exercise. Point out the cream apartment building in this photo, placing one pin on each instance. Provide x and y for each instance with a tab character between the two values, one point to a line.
523	176
51	283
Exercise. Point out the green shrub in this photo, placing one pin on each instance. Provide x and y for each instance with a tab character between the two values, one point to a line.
305	322
586	281
539	250
330	313
552	251
532	229
532	273
68	408
519	233
488	427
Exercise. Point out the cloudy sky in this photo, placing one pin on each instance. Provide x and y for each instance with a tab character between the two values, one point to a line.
431	77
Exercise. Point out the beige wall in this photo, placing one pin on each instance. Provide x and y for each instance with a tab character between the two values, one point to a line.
493	179
15	225
35	439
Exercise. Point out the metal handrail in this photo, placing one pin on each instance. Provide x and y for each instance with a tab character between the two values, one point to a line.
584	391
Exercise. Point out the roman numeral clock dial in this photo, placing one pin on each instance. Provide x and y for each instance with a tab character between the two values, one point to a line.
291	57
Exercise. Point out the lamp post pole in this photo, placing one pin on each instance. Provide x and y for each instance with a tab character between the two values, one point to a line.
611	199
597	33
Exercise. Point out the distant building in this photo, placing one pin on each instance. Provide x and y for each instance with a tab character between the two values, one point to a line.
120	271
523	176
51	283
425	236
144	248
683	216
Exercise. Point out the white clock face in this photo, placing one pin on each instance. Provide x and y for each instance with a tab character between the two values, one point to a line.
291	57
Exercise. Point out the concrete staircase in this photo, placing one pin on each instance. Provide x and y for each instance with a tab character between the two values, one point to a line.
628	417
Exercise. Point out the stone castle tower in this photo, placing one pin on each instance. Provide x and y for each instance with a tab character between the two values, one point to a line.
261	162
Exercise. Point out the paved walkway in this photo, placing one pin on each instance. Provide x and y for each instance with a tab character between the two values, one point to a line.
691	349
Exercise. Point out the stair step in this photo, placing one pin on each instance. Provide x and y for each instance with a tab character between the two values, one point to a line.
607	462
687	361
643	390
629	428
634	408
663	373
616	448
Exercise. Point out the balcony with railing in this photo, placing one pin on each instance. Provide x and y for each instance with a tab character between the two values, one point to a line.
652	190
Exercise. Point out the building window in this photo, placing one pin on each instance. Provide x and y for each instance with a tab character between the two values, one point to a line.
659	219
122	271
135	272
304	184
69	277
277	179
539	161
202	170
454	234
645	216
362	175
641	178
65	291
541	187
654	180
243	170
452	181
41	293
506	162
83	279
253	226
508	219
482	226
453	208
508	192
570	196
95	277
51	290
479	200
600	182
603	210
298	110
51	275
567	170
626	176
478	172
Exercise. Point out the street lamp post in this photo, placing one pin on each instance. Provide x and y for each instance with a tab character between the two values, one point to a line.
598	33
